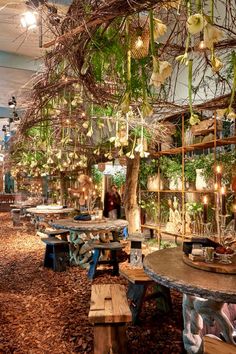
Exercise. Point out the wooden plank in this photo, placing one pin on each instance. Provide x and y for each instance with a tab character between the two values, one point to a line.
135	275
109	304
216	346
214	267
121	310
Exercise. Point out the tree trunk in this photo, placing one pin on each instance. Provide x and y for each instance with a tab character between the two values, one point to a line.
132	211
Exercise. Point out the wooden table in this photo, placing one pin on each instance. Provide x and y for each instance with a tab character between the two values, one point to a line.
204	294
82	236
44	216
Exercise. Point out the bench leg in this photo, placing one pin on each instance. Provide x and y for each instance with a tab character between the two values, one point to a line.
136	294
110	339
164	299
93	264
114	262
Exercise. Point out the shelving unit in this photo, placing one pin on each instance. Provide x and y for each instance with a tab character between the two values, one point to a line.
183	150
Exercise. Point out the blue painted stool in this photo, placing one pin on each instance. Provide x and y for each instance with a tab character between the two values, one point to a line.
113	247
56	254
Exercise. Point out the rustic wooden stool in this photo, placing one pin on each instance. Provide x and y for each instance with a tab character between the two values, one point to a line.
109	311
59	232
138	284
113	247
16	217
56	254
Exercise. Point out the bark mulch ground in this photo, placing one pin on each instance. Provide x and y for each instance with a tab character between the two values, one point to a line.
44	312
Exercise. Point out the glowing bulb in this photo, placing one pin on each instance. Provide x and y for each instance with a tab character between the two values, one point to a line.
83	114
139	42
223	190
218	169
216	186
205	199
202	45
29	20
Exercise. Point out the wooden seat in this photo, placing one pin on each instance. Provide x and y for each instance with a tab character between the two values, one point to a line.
109	312
56	254
59	232
138	285
216	346
16	217
113	247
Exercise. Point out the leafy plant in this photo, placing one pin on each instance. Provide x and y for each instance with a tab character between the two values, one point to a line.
147	168
171	168
119	179
96	175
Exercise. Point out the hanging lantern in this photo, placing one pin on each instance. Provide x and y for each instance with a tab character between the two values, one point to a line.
101	166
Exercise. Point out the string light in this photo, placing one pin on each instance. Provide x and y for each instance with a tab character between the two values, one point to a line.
29	20
139	42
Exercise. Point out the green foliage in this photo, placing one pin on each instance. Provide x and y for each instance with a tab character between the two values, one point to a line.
96	175
171	167
150	206
119	179
147	168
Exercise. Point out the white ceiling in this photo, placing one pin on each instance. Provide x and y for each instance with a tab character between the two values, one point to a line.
18	51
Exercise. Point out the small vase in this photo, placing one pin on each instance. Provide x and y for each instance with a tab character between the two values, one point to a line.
154	183
200	180
175	184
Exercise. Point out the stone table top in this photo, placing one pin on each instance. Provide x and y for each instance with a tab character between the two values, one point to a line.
106	225
37	211
167	268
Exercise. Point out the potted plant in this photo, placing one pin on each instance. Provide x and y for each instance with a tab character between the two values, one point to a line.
171	169
148	176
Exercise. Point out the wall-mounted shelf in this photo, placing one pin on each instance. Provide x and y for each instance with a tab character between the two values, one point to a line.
199	146
184	194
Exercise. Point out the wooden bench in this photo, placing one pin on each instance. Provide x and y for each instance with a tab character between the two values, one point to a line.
109	312
56	254
113	247
216	346
138	284
59	232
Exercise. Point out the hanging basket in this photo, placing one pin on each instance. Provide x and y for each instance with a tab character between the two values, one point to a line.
139	37
101	166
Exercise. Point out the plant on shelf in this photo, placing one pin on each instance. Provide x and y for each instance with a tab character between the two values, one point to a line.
147	168
150	206
228	162
171	169
200	169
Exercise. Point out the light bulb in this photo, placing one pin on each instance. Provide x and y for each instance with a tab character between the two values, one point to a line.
138	42
205	199
202	45
29	20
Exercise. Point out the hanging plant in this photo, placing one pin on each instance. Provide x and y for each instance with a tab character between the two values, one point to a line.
194	118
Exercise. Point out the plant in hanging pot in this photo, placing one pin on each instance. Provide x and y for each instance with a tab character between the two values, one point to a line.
171	169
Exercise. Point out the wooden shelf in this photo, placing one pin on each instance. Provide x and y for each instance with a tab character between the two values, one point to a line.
206	191
199	146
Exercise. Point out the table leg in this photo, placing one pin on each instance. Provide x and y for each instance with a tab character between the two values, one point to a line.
195	311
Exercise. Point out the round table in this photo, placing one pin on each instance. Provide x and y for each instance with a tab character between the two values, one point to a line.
204	294
91	226
81	240
44	216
